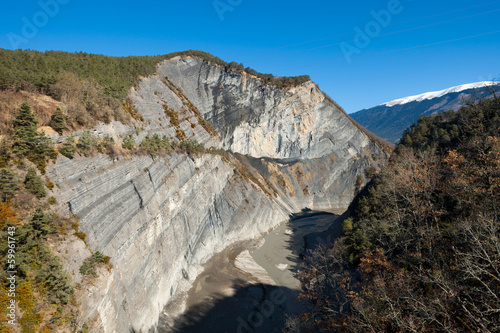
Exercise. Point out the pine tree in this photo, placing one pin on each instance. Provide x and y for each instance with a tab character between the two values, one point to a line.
9	184
85	143
68	147
40	223
128	142
5	151
57	121
58	283
25	134
34	183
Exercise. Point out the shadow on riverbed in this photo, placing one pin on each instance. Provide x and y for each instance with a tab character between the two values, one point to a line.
252	308
226	299
311	229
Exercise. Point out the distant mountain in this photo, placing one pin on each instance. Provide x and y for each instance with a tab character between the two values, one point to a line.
389	120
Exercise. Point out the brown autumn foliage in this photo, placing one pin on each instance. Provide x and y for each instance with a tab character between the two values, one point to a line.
423	252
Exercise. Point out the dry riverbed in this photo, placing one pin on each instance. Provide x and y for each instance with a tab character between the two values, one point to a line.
250	287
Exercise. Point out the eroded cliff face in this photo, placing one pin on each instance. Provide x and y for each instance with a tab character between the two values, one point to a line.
161	219
264	121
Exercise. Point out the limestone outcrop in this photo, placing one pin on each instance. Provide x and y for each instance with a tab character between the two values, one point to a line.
160	219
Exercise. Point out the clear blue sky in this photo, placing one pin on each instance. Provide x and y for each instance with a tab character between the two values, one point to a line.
284	38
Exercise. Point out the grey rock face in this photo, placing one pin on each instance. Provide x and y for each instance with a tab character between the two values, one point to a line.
161	219
264	121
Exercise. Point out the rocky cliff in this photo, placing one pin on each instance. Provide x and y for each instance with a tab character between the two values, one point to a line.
275	151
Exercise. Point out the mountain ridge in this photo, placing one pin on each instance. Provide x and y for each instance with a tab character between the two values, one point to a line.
439	93
390	119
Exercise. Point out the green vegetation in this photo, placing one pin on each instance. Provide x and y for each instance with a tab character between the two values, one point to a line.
85	143
420	250
34	183
44	289
280	82
89	264
104	145
27	69
57	121
154	144
128	142
41	71
27	142
55	281
9	184
42	283
68	147
192	147
25	127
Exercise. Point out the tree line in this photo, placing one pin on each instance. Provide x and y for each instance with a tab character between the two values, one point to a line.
420	251
28	69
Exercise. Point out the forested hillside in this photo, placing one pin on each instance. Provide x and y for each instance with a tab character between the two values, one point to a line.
27	69
421	250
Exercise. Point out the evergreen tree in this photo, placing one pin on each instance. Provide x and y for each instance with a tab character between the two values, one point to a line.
128	142
9	183
25	134
57	282
34	183
68	147
57	121
40	224
85	143
5	150
27	142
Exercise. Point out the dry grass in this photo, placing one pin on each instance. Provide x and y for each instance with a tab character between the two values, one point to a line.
43	106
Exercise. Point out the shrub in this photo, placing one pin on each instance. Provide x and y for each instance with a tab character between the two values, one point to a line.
57	121
154	144
85	143
34	183
105	143
7	216
5	153
56	281
89	264
9	184
347	226
128	142
192	147
68	147
39	224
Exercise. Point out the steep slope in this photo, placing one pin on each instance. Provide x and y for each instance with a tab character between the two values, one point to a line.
422	236
160	219
389	120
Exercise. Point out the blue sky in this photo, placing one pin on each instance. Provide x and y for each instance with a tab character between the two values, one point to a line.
292	37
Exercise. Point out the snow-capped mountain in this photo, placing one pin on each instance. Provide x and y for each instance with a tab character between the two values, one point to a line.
390	119
440	93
